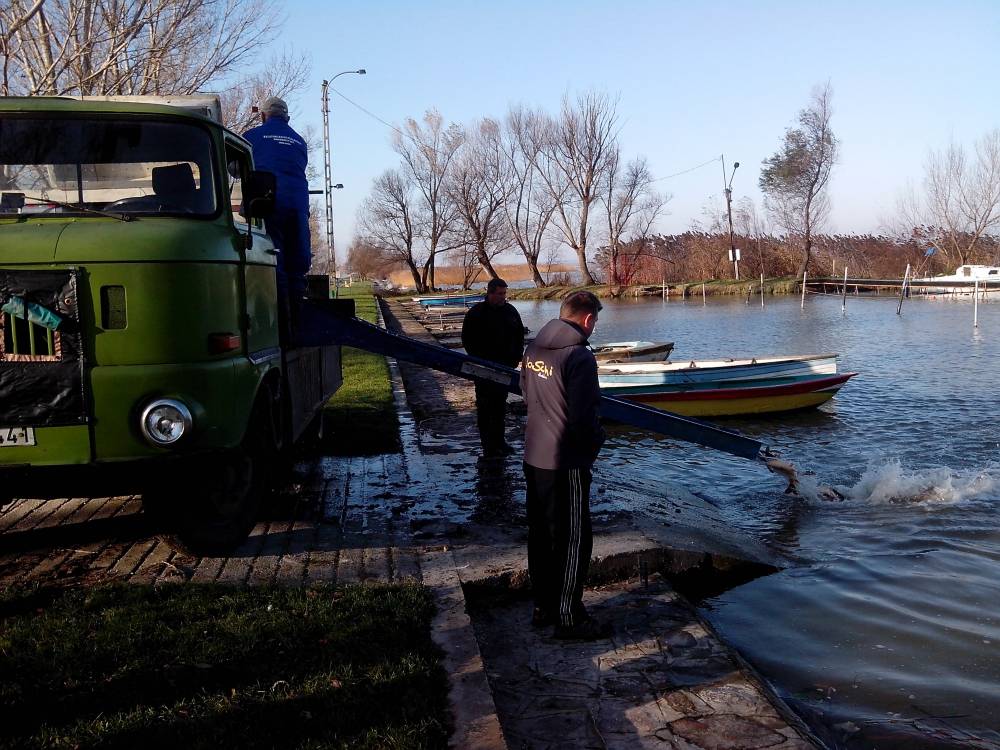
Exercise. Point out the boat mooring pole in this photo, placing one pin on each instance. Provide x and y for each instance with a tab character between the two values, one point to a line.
703	300
902	290
975	306
762	291
663	288
804	276
843	301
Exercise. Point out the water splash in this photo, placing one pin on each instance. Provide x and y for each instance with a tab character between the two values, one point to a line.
889	482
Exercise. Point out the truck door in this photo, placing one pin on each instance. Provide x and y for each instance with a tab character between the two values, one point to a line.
261	320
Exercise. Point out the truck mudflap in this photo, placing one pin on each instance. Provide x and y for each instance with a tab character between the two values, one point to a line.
323	324
41	349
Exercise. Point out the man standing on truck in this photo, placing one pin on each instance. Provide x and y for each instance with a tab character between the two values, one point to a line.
279	149
493	330
561	441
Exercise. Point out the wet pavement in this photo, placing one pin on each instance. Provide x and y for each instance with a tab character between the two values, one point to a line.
438	513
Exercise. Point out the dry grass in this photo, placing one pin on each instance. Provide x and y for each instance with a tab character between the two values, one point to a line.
509	272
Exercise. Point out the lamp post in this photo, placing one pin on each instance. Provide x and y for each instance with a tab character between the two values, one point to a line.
729	209
328	186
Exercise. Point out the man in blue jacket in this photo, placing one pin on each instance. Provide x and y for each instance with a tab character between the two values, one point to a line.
561	441
279	149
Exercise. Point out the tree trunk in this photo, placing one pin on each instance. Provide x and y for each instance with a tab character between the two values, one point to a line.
581	257
535	275
484	261
418	284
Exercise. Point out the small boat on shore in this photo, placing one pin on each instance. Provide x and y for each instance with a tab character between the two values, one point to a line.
450	299
632	351
737	398
628	374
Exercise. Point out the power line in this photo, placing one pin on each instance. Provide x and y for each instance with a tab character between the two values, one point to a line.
369	113
678	174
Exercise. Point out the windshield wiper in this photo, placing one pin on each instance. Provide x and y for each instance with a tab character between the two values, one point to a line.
78	207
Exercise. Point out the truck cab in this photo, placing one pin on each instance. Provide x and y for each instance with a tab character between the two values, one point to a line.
141	339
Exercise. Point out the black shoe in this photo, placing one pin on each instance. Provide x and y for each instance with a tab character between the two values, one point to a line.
542	618
587	629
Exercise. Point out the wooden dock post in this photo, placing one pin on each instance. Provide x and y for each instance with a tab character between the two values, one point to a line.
804	276
703	300
902	290
843	300
663	288
975	305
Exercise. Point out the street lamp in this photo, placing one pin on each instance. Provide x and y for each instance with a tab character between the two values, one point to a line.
733	252
328	187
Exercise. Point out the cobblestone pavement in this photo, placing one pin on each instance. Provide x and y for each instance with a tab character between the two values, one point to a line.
662	679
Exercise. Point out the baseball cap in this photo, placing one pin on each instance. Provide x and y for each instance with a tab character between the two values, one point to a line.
275	106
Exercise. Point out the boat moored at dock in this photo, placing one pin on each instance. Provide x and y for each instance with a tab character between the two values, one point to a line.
461	300
632	351
714	370
739	398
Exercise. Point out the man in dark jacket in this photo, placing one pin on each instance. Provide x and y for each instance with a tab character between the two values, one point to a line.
279	149
493	330
561	441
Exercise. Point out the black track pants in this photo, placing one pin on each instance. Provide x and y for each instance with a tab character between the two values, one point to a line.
491	408
559	539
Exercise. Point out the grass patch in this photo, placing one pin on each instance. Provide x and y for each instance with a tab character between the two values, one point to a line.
361	417
213	666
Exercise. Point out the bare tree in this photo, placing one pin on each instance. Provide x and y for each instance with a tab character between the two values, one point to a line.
479	186
283	75
387	220
795	178
428	151
129	46
530	205
579	148
631	205
960	204
753	226
369	261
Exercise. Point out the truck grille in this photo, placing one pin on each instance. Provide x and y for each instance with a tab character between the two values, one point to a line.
24	341
42	358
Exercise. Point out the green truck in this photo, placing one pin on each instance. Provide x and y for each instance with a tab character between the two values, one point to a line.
141	345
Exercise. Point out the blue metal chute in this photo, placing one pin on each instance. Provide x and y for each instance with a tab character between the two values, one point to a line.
321	326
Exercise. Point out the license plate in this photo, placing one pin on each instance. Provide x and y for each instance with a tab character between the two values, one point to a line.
11	436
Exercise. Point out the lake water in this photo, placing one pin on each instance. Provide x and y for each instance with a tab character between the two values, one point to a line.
883	630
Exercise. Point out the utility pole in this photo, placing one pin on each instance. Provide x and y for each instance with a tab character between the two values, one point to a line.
328	186
734	254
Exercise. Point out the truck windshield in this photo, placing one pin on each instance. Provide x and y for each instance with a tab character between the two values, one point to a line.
65	166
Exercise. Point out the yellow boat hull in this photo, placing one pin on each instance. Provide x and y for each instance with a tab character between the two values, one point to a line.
740	406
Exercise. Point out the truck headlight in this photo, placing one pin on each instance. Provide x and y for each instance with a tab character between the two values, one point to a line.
165	421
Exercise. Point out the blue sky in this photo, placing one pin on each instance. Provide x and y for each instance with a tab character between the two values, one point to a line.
695	80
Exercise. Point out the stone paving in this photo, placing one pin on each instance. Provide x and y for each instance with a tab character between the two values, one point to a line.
437	513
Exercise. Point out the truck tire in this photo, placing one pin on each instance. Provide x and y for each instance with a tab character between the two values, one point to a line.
215	510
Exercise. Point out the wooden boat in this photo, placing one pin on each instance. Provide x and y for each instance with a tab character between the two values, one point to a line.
632	351
737	398
714	370
450	299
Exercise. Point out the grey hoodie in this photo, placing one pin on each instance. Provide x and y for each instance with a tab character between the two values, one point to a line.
559	384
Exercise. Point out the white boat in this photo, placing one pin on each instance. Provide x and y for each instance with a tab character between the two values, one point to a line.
632	351
631	375
963	281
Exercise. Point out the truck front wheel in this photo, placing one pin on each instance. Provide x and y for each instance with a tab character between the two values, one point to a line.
214	511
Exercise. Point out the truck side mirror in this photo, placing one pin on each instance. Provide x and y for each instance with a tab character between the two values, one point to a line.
259	190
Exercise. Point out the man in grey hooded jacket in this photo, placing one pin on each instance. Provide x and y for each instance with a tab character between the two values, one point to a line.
561	441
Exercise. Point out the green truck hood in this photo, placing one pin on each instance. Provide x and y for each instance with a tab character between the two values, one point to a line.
100	240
